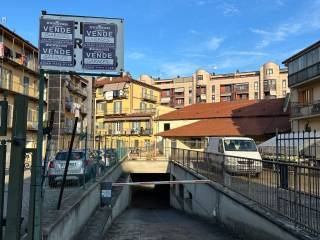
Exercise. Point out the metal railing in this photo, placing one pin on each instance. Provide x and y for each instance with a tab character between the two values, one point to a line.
149	97
288	189
304	75
305	109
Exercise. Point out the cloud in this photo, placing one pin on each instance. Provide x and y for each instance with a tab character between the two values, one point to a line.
214	43
306	22
192	31
281	33
203	2
243	53
136	55
177	68
229	9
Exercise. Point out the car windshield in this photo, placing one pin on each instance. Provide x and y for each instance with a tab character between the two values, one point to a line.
74	156
240	145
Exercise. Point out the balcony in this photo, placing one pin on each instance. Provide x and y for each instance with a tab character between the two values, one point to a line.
149	97
242	89
77	89
127	111
226	91
269	87
26	62
130	132
305	75
305	110
16	86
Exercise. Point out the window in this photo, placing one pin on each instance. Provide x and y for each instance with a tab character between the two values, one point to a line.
100	107
32	115
6	78
213	89
284	83
213	98
306	96
117	107
143	106
25	85
10	115
180	101
190	100
269	71
117	127
199	77
220	146
166	126
136	127
256	86
240	145
256	95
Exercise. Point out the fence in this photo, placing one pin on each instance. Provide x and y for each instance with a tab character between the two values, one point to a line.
287	188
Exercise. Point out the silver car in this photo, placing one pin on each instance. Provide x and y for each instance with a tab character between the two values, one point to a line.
80	168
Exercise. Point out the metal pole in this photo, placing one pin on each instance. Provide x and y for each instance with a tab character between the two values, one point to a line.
16	176
67	162
37	215
85	154
3	149
105	150
32	194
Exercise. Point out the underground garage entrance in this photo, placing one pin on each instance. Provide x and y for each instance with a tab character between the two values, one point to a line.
150	196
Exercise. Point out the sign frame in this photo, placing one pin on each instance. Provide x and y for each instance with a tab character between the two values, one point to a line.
99	47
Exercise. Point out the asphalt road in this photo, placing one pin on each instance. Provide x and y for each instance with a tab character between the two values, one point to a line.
150	218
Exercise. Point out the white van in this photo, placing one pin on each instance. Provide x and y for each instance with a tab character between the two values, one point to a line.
239	153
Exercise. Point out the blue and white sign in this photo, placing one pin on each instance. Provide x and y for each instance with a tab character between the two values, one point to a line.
81	44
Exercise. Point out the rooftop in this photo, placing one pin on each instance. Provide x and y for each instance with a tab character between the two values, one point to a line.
231	127
244	108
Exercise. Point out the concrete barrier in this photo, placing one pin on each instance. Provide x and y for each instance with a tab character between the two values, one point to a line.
70	220
240	215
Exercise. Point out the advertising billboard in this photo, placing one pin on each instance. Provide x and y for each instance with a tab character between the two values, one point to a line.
79	44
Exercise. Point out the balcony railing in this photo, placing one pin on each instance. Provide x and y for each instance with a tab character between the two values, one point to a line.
305	109
149	97
125	111
25	60
130	132
304	75
241	89
16	86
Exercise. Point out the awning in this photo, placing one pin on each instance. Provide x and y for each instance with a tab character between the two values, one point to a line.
178	90
114	86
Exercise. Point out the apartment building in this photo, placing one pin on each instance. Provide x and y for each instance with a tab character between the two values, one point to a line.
125	110
19	75
204	87
304	76
70	96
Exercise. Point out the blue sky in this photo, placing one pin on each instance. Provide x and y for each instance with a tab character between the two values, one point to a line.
166	38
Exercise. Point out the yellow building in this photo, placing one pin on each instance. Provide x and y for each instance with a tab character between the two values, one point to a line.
19	74
125	110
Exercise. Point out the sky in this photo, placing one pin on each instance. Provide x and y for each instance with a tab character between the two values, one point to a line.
167	38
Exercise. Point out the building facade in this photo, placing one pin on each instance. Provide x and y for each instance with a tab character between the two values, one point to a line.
69	96
125	110
189	127
304	82
19	75
205	87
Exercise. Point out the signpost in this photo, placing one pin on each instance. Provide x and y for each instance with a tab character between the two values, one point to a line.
91	46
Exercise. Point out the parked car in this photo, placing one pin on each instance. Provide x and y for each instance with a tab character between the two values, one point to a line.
239	154
80	168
